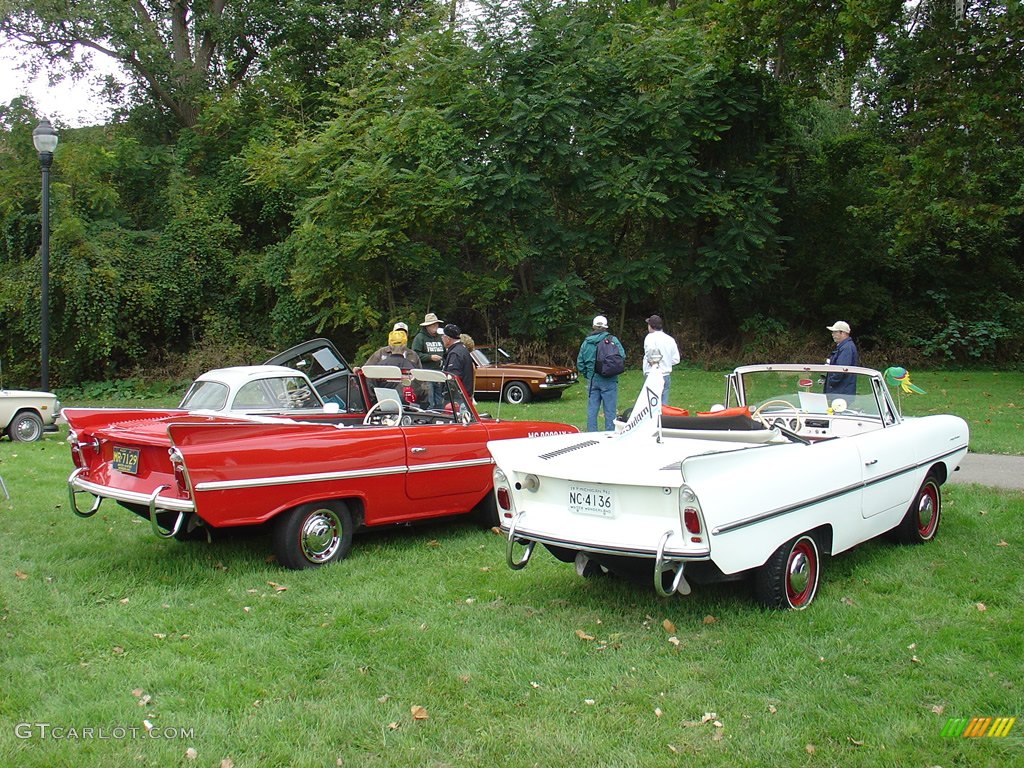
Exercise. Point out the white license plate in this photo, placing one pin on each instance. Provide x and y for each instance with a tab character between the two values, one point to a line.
590	501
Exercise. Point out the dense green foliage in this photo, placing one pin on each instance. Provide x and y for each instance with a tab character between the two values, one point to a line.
750	170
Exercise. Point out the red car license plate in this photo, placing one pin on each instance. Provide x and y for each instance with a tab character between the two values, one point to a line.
125	460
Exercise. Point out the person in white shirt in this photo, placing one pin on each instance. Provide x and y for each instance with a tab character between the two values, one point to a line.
660	352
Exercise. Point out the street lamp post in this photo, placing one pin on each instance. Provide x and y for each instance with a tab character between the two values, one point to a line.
45	140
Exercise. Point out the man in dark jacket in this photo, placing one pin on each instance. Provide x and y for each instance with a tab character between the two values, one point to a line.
602	391
457	361
845	354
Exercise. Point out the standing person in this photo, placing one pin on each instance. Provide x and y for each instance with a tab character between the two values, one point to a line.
602	390
457	361
660	352
845	354
429	346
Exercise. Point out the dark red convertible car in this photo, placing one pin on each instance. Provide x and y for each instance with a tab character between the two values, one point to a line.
313	481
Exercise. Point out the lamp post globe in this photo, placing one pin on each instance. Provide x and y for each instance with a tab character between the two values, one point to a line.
45	140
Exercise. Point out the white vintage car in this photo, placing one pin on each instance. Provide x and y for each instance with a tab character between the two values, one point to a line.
25	415
763	489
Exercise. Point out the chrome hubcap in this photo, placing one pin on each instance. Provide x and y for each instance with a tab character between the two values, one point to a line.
799	573
320	537
925	512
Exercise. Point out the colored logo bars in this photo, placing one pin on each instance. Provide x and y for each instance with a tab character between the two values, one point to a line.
977	727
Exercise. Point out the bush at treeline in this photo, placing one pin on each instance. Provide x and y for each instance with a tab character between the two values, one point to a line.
751	172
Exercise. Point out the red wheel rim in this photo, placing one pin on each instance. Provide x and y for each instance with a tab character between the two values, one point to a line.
928	511
801	573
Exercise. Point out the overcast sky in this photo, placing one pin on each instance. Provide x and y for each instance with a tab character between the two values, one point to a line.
70	104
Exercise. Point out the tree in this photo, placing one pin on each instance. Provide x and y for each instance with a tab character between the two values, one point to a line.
179	54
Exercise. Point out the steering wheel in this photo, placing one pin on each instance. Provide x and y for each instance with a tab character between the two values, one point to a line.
756	415
377	416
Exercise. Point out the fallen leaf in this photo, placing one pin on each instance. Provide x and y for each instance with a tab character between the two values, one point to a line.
658	712
710	619
980	607
534	685
915	660
497	531
912	646
938	709
144	700
433	543
277	587
809	749
227	762
136	692
583	635
1002	544
854	741
847	601
393	726
708	717
718	724
418	712
463	678
485	569
159	635
673	750
674	640
123	601
383	699
147	725
717	735
20	576
669	626
589	702
118	650
771	709
470	600
191	754
247	609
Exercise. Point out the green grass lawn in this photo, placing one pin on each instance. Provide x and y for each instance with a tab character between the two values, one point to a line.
224	653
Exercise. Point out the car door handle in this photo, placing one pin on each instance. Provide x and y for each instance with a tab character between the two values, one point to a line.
419	450
869	463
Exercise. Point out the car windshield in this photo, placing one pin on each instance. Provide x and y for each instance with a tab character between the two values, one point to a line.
804	391
412	387
480	358
205	395
277	393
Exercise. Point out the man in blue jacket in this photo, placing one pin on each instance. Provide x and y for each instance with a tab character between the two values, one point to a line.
845	354
602	391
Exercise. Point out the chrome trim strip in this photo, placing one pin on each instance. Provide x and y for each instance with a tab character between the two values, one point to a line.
829	496
256	482
451	465
130	497
318	477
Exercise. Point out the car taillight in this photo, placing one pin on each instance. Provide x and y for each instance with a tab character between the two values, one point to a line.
180	477
502	493
689	511
76	450
504	500
691	520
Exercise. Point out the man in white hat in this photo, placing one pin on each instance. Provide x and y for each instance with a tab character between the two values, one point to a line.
845	354
602	391
428	345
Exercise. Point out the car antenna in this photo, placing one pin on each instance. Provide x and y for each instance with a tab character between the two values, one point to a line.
501	382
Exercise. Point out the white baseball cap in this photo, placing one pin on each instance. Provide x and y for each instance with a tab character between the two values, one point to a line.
839	325
400	326
600	321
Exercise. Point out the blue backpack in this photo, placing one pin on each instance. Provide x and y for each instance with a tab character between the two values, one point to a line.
608	362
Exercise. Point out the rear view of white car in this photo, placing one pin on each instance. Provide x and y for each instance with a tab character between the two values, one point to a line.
762	490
